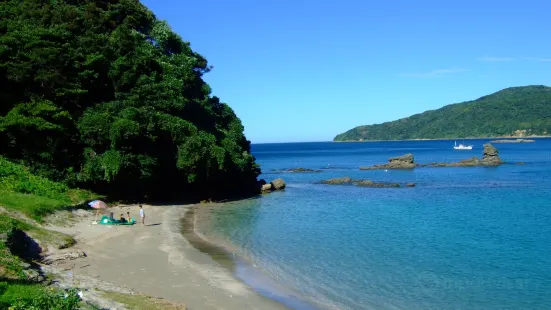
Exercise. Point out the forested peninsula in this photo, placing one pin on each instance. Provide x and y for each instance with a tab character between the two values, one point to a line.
511	112
103	96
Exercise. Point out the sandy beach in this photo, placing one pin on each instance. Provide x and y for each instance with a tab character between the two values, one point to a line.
158	261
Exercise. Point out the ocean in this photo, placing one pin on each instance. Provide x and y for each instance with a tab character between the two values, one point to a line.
462	238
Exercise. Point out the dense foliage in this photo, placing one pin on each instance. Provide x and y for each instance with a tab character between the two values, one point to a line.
509	112
103	95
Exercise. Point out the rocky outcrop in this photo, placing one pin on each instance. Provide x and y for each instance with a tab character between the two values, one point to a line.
490	157
302	170
362	183
275	185
337	181
513	141
400	162
369	183
295	170
278	184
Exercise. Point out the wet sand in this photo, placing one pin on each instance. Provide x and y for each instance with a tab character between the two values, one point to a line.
198	219
157	260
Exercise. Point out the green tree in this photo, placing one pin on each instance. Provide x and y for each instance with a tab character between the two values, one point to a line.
499	114
103	95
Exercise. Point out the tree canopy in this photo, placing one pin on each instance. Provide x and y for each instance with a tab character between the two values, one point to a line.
103	95
511	111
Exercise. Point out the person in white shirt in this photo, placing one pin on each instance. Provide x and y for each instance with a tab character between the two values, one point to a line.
142	215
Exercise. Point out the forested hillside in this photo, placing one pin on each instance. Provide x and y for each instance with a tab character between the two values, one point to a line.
104	96
515	111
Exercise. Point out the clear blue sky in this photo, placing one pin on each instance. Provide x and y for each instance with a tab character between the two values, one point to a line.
305	70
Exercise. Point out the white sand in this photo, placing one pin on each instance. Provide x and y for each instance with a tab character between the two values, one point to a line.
158	261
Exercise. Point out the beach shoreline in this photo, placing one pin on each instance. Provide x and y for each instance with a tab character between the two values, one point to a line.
229	256
155	260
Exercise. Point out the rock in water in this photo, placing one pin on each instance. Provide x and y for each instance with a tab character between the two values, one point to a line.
490	150
490	156
405	161
369	183
302	170
278	184
338	181
267	187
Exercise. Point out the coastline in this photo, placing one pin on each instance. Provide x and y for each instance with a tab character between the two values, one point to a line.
447	139
240	266
154	260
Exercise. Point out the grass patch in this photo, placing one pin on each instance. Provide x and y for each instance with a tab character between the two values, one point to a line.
35	196
142	302
10	265
12	292
19	295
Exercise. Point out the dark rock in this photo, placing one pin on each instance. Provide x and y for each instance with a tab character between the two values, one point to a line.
278	184
407	158
489	150
262	182
338	181
302	170
491	157
400	162
469	162
410	185
362	183
369	183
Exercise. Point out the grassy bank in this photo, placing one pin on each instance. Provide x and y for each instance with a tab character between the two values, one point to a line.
25	197
17	290
35	196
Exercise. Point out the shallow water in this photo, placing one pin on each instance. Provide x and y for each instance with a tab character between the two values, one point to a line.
463	238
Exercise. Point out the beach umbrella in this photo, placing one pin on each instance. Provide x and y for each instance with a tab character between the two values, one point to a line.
98	204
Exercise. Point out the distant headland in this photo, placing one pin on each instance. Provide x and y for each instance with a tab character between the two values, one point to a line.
515	112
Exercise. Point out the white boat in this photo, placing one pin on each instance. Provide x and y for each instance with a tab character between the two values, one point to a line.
462	146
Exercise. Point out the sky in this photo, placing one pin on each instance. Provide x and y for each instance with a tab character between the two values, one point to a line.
305	70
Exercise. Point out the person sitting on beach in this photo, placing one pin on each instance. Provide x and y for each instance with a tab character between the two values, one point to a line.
111	217
129	219
122	220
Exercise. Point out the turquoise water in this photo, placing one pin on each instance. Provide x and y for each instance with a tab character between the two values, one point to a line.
463	238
